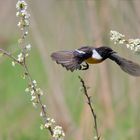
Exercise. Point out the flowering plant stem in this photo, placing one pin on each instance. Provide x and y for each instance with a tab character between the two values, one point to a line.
42	107
28	75
133	44
91	107
36	93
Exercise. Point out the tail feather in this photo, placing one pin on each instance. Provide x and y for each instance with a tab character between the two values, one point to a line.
66	59
126	65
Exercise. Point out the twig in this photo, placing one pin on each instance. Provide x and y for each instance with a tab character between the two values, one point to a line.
91	107
43	109
32	88
28	75
9	55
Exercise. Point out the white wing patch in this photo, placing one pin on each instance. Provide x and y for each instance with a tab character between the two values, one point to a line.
80	51
96	55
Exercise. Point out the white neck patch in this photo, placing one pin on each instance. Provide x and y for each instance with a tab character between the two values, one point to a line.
96	55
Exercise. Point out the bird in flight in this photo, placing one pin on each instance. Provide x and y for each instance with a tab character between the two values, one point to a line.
79	59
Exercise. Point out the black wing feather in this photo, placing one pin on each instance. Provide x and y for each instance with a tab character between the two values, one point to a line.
126	65
66	59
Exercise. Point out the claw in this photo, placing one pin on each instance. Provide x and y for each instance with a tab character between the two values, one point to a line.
84	66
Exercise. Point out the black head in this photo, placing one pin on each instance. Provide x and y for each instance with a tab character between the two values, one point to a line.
104	51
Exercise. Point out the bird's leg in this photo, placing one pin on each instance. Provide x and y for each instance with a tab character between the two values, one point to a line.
84	66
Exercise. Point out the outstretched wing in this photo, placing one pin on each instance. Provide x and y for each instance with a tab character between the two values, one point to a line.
71	60
67	59
126	65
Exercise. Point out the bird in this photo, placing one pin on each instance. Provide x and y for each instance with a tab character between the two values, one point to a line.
81	58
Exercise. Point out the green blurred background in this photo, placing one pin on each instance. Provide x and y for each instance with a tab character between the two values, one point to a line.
65	25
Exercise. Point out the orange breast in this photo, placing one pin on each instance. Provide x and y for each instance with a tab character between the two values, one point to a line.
93	61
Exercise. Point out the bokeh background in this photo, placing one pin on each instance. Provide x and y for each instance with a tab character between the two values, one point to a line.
65	25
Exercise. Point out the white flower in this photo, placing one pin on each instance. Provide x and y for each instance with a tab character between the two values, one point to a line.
13	63
52	121
20	57
133	44
27	90
21	5
32	92
34	83
58	133
34	104
26	33
18	14
28	47
95	137
49	122
41	114
26	22
117	37
40	92
26	55
33	98
19	24
24	14
137	47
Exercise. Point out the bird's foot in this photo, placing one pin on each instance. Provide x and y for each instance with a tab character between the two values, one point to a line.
84	66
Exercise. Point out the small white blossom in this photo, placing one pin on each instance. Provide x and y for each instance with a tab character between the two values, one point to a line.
23	23
23	15
26	55
34	83
137	48
13	63
41	114
19	24
40	92
27	15
28	47
95	137
26	33
49	122
20	57
27	90
32	92
21	5
133	44
134	41
52	121
117	37
34	104
58	133
47	125
26	22
33	98
18	14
